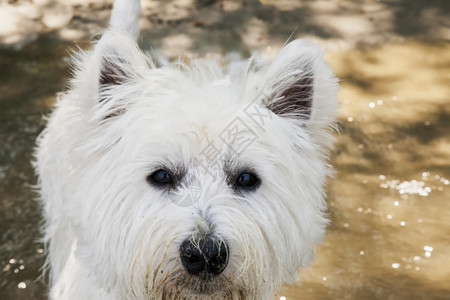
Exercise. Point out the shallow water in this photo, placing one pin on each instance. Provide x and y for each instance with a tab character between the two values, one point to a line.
29	81
389	202
389	236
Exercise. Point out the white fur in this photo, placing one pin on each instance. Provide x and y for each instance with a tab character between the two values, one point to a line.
113	236
125	17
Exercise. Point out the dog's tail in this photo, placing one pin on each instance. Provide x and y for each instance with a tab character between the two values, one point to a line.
125	17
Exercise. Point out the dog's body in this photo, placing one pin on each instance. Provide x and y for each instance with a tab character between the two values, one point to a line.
188	183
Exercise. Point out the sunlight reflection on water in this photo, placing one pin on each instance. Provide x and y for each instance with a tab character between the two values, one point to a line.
407	187
388	201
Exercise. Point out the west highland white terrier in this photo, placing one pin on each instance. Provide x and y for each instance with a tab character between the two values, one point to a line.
184	182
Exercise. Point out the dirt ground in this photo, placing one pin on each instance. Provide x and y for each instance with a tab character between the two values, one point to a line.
179	26
389	206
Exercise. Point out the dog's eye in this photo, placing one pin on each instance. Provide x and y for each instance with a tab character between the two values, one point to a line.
247	180
160	178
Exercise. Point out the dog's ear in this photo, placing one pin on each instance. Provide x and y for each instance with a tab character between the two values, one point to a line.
293	92
120	62
113	71
115	74
296	83
108	76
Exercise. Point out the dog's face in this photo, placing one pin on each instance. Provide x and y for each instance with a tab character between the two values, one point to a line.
193	184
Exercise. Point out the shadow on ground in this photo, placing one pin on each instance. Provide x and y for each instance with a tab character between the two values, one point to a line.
395	122
175	27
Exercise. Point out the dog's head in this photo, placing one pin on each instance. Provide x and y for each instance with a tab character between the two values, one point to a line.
193	183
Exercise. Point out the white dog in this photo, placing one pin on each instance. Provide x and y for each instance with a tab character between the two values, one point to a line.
184	182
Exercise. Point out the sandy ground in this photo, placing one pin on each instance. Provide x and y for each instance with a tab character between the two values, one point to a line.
180	26
393	60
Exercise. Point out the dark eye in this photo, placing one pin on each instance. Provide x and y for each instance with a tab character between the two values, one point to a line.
247	180
160	178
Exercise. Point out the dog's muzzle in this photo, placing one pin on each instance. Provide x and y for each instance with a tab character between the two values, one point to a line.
206	255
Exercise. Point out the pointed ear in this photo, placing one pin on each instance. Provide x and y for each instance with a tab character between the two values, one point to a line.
105	77
293	93
119	63
294	81
113	72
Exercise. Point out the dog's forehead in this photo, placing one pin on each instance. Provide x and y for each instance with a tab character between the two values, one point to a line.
214	141
208	116
206	108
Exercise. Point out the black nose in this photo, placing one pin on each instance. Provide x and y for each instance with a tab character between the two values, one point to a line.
205	254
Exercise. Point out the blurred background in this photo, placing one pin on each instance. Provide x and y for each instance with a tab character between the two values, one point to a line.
390	199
